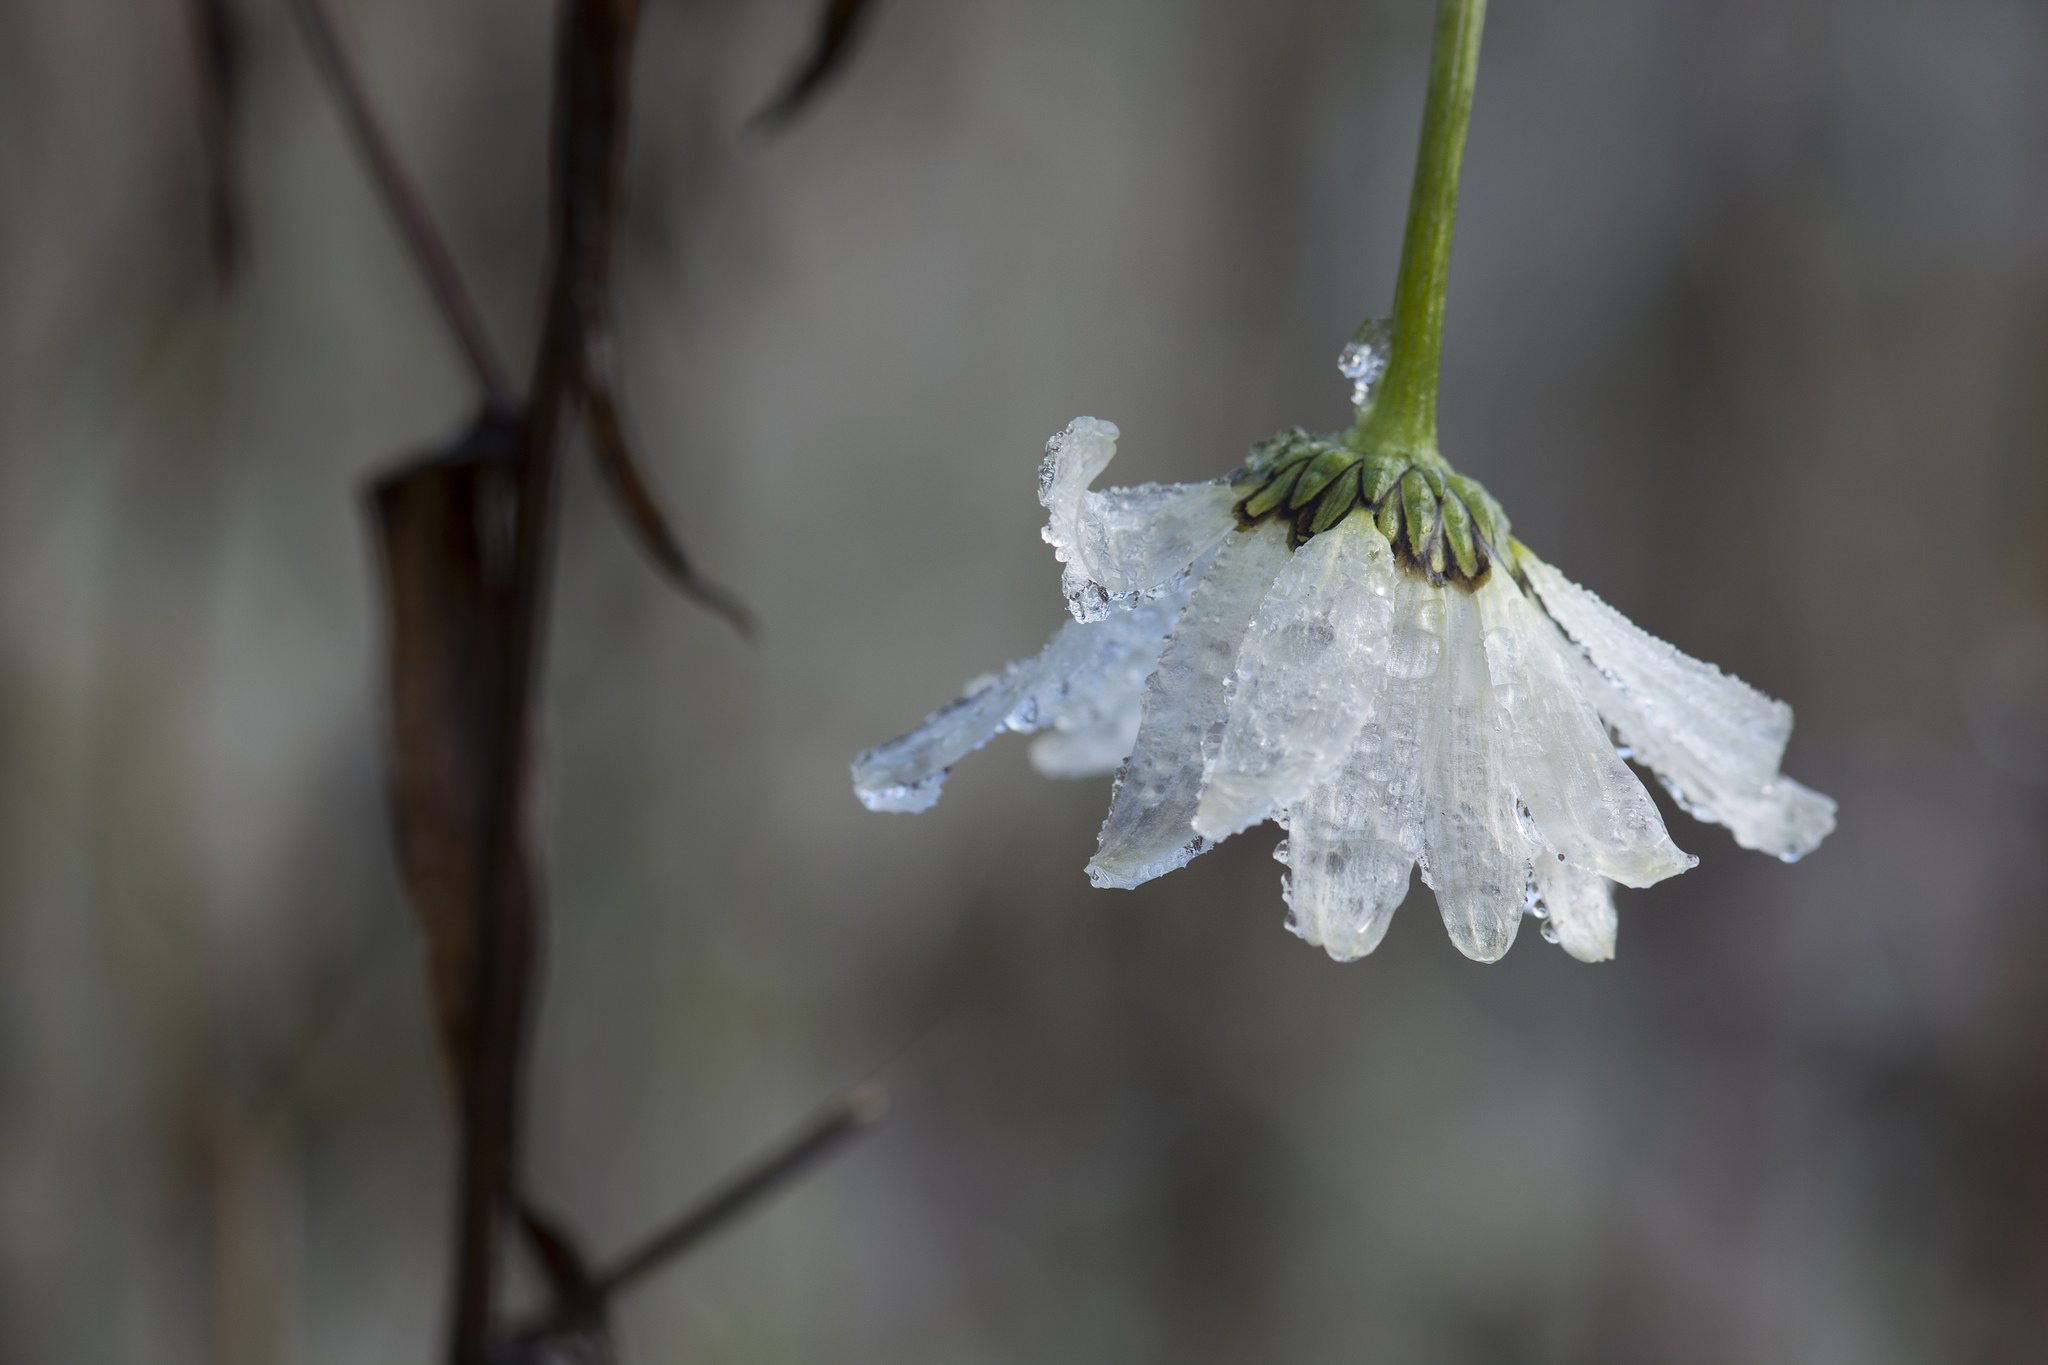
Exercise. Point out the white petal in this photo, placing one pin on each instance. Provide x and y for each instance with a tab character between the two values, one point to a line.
1714	740
1148	831
1351	843
1121	544
1580	905
1087	675
1475	851
1088	750
1298	692
1588	804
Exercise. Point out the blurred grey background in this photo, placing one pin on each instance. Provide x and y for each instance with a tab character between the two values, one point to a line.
1748	329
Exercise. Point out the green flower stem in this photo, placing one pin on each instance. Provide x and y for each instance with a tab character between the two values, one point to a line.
1402	415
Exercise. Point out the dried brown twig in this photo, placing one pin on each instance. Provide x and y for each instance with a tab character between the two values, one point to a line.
858	1112
839	25
466	538
422	238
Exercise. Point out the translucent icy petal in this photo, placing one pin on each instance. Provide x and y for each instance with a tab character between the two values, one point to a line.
1088	750
1351	843
1121	544
1583	797
1148	831
1089	674
1298	691
1713	740
1476	851
1580	906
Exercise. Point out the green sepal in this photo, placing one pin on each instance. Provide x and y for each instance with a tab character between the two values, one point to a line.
1389	519
1338	500
1487	517
1418	506
1458	534
1275	492
1434	477
1316	477
1279	449
1380	474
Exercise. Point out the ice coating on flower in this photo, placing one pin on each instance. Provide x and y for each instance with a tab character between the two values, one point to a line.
1121	544
1093	749
1278	657
1297	693
1149	829
1476	849
1086	684
1352	842
1578	907
1364	358
1580	793
1713	740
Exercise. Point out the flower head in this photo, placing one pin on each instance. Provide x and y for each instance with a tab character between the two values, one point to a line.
1346	638
1358	650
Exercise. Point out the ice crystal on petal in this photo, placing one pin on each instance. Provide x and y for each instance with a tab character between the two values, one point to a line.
1352	842
1713	740
1576	906
1578	791
1085	684
1476	854
1121	544
1296	695
1149	831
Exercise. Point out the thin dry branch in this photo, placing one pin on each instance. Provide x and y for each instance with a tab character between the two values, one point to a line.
839	25
429	251
621	470
860	1111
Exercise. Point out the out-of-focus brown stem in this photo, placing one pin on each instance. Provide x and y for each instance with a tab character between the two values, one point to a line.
429	250
615	460
855	1114
217	49
593	63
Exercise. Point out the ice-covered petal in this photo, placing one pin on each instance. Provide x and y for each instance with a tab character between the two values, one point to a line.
1297	693
1089	674
1149	829
1713	740
1351	843
1121	544
1588	804
1088	750
1476	850
1580	907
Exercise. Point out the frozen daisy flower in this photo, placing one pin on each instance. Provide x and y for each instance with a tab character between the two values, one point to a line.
1344	638
1355	648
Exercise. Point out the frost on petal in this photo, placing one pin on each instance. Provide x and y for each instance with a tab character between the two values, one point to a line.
1713	740
1088	750
1298	691
1476	851
1352	842
1580	907
1583	797
1148	831
1121	544
1086	682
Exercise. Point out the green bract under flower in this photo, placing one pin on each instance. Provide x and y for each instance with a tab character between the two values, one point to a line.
1442	525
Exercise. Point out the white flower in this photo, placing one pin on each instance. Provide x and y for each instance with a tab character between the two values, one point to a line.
1326	643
